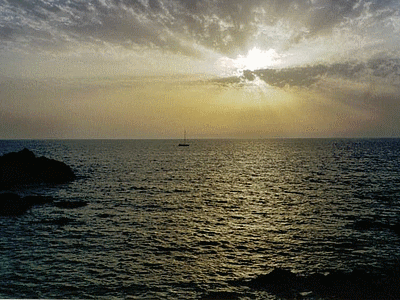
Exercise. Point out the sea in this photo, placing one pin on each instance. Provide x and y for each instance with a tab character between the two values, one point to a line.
170	222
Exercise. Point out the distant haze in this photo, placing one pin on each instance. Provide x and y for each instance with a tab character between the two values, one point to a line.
217	68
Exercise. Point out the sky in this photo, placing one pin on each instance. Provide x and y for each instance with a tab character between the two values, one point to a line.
217	68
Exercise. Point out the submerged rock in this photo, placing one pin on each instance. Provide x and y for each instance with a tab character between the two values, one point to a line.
372	224
70	204
13	205
23	167
220	296
62	221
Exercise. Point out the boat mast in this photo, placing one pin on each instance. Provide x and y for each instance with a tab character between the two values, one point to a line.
184	140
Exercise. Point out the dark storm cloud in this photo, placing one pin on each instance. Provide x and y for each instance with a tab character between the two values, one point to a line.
309	76
222	25
306	76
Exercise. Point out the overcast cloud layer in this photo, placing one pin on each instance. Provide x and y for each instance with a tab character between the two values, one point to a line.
90	32
271	68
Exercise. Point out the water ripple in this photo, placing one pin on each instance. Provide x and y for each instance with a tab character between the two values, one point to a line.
163	222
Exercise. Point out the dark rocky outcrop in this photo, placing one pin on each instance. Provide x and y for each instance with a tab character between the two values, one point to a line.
23	167
357	284
13	205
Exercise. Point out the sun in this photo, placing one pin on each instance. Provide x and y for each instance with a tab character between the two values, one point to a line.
256	59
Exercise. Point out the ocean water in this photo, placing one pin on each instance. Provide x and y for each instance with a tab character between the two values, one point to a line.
169	222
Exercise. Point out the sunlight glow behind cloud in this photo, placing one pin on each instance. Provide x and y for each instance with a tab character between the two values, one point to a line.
255	52
257	59
299	31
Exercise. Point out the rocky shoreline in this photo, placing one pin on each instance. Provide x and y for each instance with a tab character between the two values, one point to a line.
357	284
19	170
24	168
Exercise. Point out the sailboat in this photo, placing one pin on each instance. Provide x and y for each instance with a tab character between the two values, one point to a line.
184	144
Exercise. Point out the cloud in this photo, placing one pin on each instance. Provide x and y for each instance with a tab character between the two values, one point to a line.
307	76
365	81
302	31
66	24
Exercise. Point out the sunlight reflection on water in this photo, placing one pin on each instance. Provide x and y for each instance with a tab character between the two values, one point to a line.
170	222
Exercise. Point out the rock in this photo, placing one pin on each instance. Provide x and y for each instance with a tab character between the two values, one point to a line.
396	228
58	221
38	200
220	296
23	167
276	277
70	204
13	205
368	224
280	282
357	284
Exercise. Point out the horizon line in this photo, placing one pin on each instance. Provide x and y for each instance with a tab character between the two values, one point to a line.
207	138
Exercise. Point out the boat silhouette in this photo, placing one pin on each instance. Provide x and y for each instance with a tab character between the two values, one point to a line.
184	144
